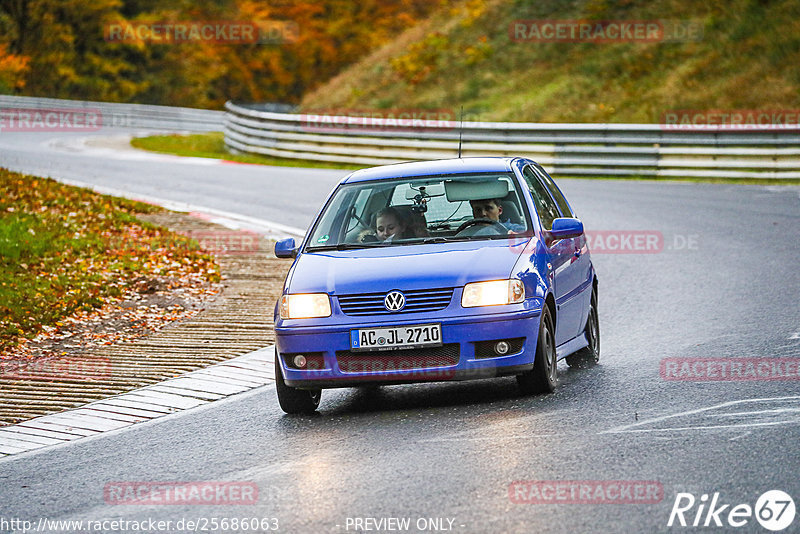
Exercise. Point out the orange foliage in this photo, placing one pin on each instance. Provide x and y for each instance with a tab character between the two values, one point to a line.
302	44
12	69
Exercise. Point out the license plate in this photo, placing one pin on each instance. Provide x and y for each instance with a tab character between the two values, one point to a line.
396	337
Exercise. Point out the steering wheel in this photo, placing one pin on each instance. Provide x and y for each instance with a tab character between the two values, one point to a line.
482	220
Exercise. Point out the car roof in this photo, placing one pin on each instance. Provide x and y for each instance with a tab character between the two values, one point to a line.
434	167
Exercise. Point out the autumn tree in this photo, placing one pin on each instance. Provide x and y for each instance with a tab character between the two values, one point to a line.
57	48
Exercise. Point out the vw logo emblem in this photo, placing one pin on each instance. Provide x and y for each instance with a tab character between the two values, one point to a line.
394	301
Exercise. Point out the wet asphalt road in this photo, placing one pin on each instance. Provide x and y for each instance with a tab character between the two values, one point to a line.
724	285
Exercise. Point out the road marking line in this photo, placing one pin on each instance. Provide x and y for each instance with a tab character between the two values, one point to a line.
630	427
708	427
754	412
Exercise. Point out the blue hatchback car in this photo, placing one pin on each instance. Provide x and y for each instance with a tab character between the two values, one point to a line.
438	270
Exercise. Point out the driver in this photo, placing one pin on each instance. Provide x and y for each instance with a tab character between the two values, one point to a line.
492	209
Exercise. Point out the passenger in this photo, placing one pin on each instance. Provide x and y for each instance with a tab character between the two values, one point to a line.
389	223
492	208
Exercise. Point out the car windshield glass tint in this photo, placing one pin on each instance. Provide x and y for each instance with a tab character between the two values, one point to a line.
421	210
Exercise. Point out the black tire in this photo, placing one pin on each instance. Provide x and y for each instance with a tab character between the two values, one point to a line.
293	400
543	378
589	356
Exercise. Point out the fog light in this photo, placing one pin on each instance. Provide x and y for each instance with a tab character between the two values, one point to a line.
501	347
299	361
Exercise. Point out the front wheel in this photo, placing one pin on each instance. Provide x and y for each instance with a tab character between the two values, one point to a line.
543	378
590	355
293	400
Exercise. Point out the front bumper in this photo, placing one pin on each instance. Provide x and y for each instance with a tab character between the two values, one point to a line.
460	336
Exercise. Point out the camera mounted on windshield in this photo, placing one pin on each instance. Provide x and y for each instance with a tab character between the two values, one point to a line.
421	201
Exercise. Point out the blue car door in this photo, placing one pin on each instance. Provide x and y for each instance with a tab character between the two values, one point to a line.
564	265
582	270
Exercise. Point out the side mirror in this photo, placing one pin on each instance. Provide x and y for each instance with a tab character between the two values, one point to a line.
286	248
565	228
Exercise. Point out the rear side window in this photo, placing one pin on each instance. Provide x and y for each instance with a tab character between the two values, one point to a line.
548	211
566	211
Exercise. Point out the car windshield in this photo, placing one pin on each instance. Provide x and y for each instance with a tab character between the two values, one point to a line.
416	210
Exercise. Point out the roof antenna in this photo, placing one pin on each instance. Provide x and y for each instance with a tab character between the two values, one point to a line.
460	132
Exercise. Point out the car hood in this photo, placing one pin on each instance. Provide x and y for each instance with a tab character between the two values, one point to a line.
405	267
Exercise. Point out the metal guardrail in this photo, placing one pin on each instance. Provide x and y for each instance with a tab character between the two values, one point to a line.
650	150
122	115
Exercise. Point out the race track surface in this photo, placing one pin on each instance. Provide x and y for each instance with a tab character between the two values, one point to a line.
724	283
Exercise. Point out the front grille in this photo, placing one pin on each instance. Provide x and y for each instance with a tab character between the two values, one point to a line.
397	360
417	300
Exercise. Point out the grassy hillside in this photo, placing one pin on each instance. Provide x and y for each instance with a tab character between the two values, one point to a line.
748	58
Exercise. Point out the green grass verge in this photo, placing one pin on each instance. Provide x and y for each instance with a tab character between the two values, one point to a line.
65	249
212	145
743	57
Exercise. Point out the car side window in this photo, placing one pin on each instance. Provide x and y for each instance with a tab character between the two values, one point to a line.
566	211
545	206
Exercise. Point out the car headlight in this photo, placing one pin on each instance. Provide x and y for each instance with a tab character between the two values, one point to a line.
305	306
493	293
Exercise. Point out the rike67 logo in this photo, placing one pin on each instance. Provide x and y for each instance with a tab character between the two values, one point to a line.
774	510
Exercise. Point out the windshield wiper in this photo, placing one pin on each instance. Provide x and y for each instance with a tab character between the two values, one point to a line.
340	246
